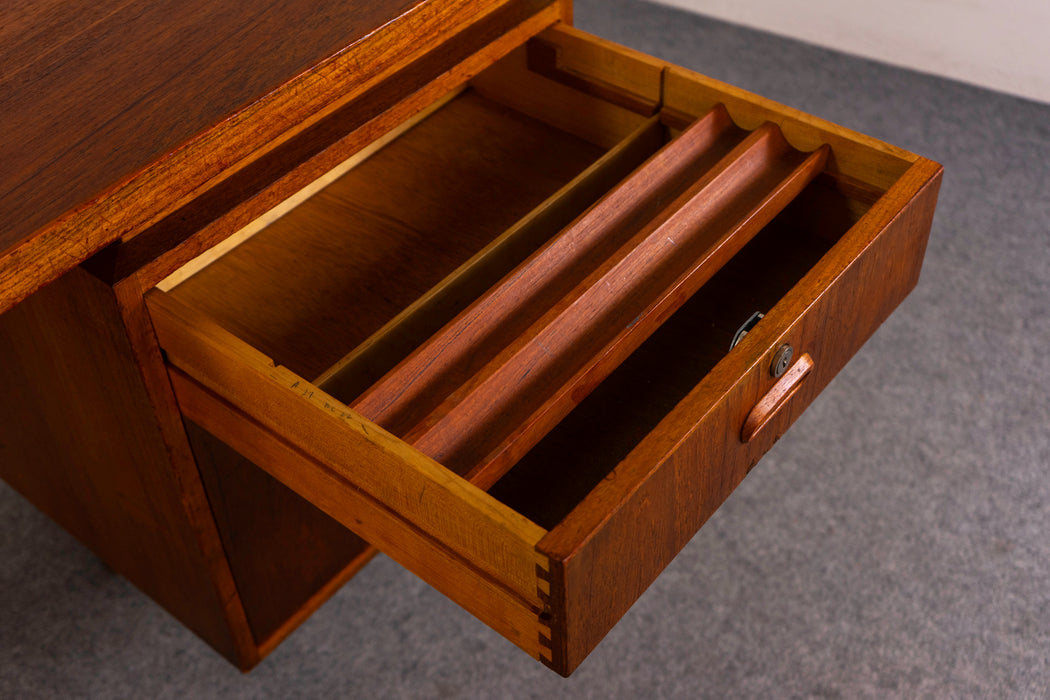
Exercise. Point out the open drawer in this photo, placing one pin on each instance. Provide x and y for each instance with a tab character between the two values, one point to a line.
500	344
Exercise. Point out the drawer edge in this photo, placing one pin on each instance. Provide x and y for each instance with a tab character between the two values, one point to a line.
344	445
609	549
486	597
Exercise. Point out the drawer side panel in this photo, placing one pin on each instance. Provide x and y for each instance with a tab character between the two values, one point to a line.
444	507
486	597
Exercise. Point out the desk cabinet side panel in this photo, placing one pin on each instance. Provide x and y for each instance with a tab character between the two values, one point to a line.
81	439
286	556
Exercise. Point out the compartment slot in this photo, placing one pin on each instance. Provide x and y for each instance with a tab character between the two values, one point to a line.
379	354
553	477
577	108
317	282
483	391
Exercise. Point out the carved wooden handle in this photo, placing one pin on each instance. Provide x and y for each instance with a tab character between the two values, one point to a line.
776	398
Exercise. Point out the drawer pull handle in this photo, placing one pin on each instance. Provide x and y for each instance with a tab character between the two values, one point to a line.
776	398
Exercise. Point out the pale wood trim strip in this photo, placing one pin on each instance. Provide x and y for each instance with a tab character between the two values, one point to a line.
255	226
403	333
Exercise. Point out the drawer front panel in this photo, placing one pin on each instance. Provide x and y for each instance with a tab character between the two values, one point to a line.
614	544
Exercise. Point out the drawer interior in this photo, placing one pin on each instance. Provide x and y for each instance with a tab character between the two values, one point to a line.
556	475
409	246
392	228
356	283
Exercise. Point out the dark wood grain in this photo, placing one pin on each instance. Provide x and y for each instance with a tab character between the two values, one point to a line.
549	365
558	473
545	374
84	436
99	97
308	155
419	385
374	358
109	124
318	281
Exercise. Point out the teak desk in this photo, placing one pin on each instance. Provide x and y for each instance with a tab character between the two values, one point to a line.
468	295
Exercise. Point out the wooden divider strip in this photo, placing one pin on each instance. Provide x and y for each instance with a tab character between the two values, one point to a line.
484	390
492	423
370	360
683	249
439	366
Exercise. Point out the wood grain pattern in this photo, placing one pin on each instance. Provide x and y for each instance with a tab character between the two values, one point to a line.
608	550
381	352
190	91
600	432
580	112
171	69
423	494
281	549
605	63
483	594
544	58
473	339
315	151
562	344
544	376
85	438
381	236
214	252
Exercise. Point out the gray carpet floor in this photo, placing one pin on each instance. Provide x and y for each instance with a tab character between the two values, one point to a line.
896	543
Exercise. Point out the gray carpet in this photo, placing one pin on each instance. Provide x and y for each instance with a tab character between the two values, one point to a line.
895	543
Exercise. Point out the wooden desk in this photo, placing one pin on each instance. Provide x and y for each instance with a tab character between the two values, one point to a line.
223	464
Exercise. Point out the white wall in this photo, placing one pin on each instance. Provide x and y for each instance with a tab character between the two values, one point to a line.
1003	45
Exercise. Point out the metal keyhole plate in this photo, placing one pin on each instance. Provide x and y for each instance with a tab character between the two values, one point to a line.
781	360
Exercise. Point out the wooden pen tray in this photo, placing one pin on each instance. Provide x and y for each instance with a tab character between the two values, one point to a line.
498	346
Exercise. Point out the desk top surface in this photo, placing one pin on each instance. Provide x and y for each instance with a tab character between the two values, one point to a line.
92	92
